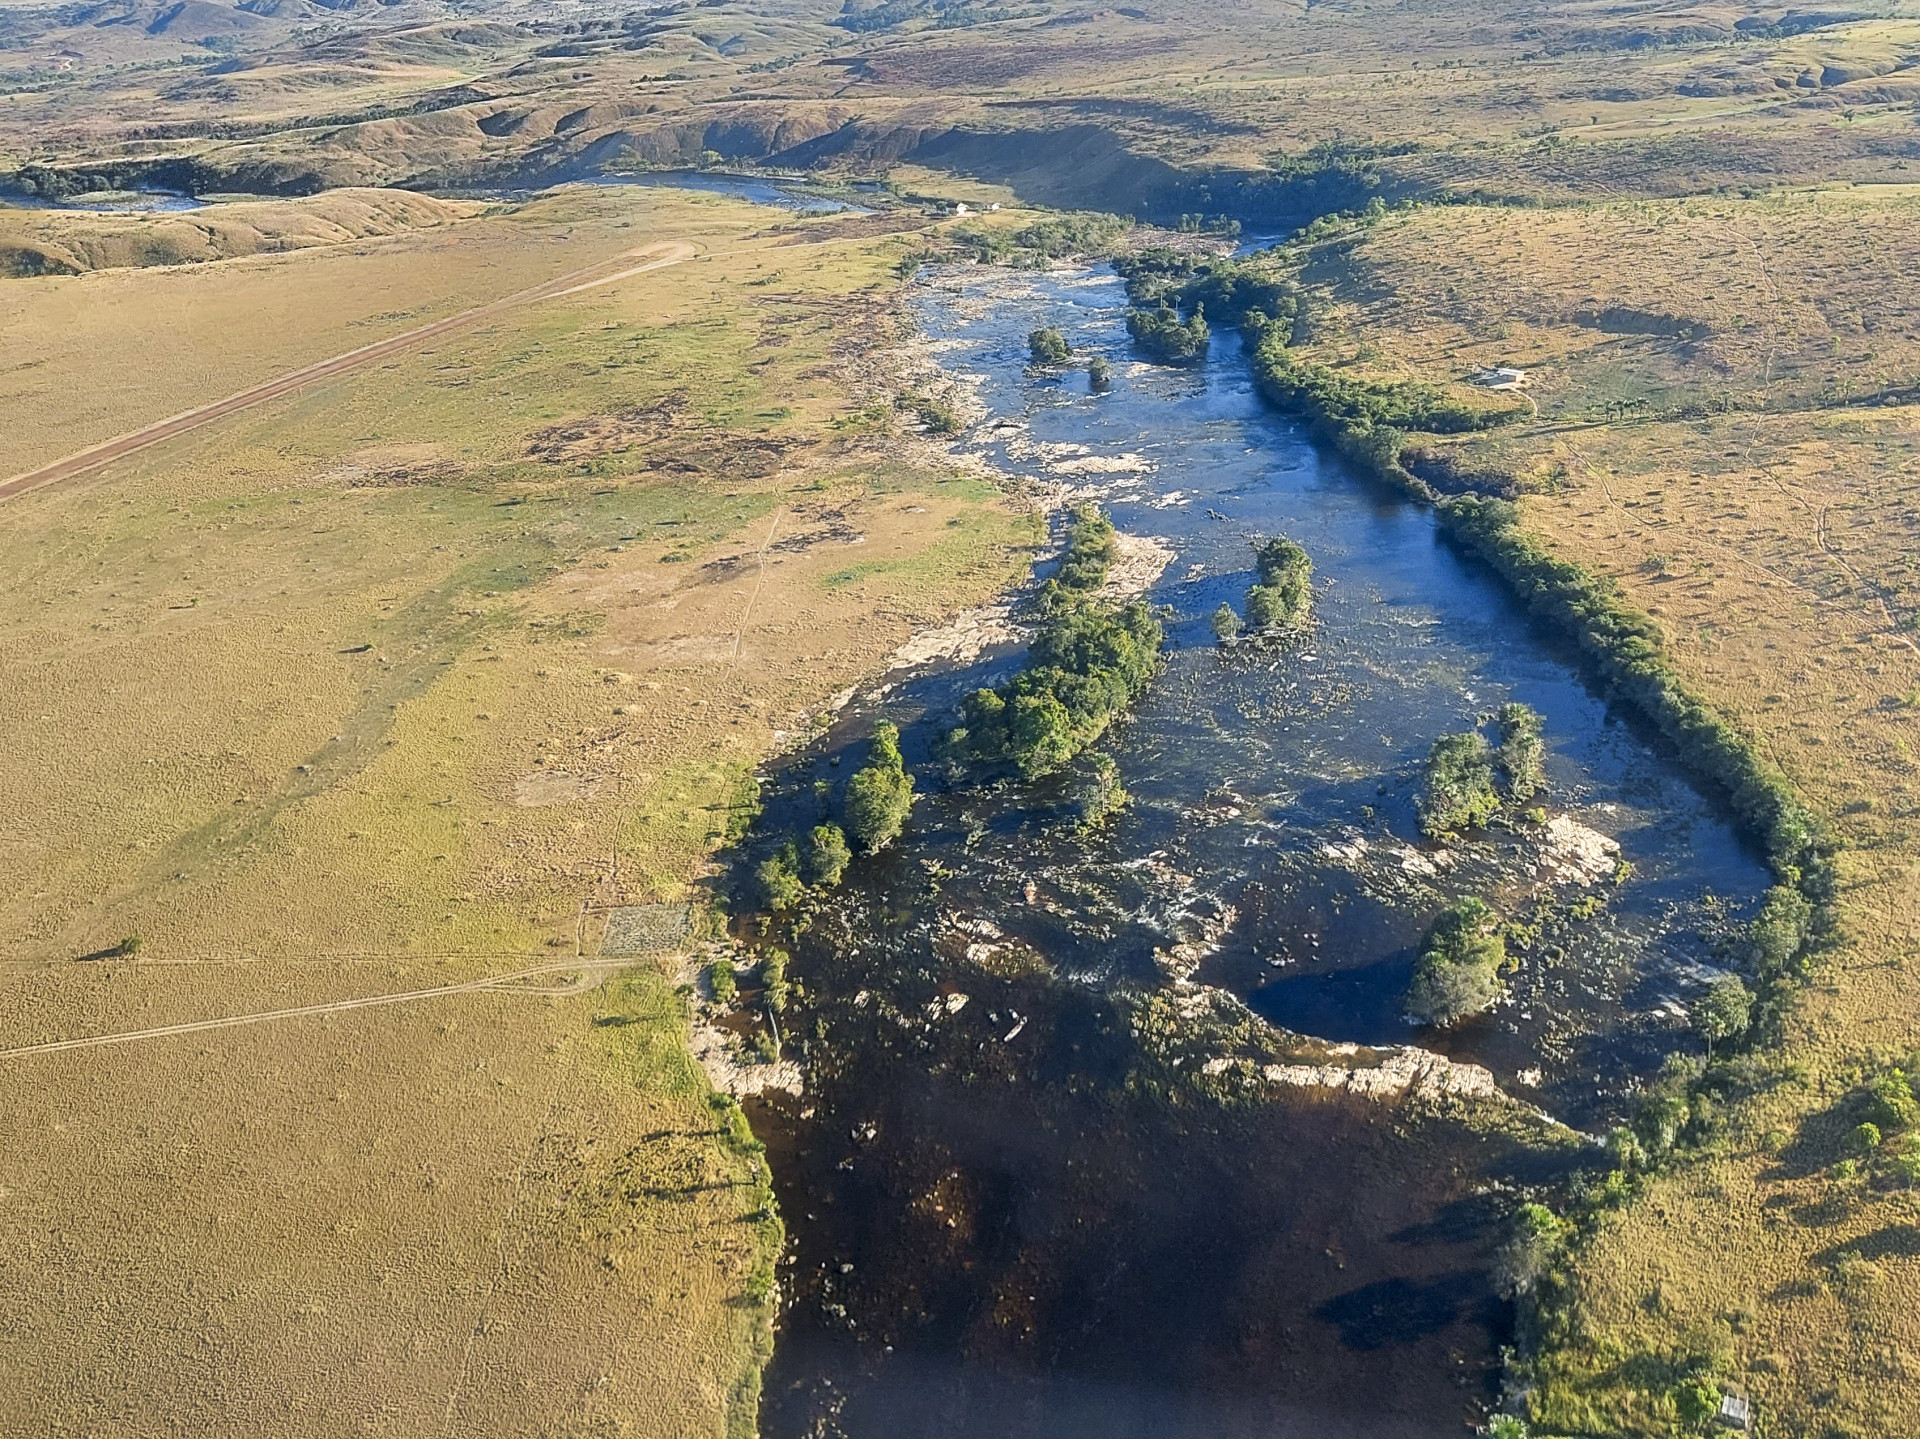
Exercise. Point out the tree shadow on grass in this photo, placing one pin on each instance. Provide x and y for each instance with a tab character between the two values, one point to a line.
1821	1141
1894	1241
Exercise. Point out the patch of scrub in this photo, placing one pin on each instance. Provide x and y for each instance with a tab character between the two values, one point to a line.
643	929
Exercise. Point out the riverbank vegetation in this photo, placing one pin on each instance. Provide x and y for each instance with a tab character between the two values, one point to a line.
1692	556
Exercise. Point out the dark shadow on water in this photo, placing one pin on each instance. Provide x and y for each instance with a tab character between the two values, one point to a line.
1396	1312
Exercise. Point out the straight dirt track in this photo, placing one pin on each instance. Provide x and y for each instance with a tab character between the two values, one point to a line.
584	972
88	460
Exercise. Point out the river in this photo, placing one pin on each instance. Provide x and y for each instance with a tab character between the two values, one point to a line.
1013	1211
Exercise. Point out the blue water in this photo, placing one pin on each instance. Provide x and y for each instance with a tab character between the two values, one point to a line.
130	202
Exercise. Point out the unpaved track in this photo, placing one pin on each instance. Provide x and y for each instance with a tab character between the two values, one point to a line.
666	253
586	970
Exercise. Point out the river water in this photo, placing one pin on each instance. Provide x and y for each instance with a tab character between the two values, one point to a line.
1013	1211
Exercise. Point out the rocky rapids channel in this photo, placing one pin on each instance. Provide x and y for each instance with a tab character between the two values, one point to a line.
1124	1132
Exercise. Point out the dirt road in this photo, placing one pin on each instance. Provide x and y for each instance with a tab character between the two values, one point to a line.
85	461
585	971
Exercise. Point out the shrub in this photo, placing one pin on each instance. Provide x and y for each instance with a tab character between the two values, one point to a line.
1696	1402
773	979
1100	795
827	855
1090	551
720	978
1226	624
1284	592
1459	791
1521	754
1890	1102
938	416
1458	973
1538	1240
1048	346
1865	1137
1099	373
779	876
880	795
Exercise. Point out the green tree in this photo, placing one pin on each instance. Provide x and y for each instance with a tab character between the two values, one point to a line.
827	855
1284	592
1459	791
1779	932
1226	624
779	876
1048	346
1890	1102
1100	795
1538	1240
720	979
1659	1120
1723	1011
1099	374
773	979
1040	735
880	794
1458	972
1866	1137
1166	337
1522	754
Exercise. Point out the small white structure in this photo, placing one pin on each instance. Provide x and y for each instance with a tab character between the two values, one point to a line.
1735	1413
961	209
1504	377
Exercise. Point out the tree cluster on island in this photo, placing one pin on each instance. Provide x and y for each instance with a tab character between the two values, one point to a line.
1280	600
1089	661
1164	336
1468	780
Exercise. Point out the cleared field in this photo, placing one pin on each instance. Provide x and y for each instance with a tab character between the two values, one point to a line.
397	682
1727	425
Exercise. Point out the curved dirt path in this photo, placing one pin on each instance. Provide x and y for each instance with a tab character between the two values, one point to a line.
670	252
586	970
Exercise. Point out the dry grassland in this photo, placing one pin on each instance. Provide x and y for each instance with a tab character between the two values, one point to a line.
69	242
1727	395
374	689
